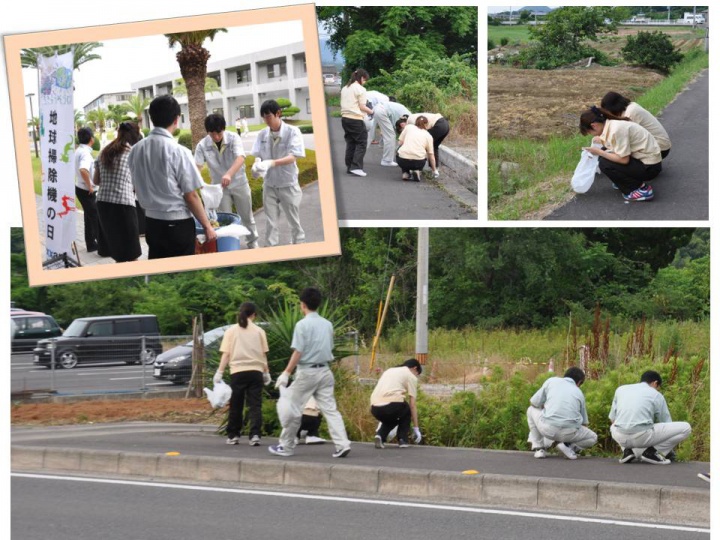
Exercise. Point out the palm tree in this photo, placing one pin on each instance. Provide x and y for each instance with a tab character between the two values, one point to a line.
117	112
97	117
137	105
79	119
192	59
82	52
211	85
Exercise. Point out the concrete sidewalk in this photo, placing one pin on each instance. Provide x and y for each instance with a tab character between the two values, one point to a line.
189	452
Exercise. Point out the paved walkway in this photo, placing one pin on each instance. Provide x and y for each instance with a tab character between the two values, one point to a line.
382	194
502	477
681	189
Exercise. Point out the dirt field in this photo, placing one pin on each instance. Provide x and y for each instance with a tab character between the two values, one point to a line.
194	411
535	104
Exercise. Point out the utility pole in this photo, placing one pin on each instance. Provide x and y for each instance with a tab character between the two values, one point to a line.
421	321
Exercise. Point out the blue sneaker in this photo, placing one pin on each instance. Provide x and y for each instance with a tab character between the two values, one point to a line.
280	450
643	193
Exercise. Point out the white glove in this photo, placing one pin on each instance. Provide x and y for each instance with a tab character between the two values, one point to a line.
266	378
255	170
436	174
282	380
217	378
418	435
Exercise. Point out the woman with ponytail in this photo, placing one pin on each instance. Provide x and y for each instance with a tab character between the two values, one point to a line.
619	105
353	107
244	347
118	234
416	148
629	155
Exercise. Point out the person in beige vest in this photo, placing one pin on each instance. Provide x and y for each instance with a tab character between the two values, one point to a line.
416	148
388	403
244	348
619	105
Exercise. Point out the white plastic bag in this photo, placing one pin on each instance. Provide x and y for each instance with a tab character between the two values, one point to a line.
584	175
285	409
235	230
211	195
219	395
391	435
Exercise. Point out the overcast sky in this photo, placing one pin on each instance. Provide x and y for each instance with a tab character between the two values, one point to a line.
119	66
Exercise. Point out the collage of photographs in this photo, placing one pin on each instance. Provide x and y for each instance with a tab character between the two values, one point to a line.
329	272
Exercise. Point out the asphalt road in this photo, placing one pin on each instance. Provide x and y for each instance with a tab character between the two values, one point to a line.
85	378
382	194
65	508
197	440
681	189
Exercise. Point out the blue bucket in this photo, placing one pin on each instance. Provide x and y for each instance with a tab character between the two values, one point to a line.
229	243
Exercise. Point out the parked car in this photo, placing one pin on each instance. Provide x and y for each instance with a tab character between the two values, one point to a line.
329	78
28	327
113	338
175	365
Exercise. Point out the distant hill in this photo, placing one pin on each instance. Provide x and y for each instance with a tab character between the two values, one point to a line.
326	55
540	10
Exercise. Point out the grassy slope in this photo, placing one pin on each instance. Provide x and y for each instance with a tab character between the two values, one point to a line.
514	34
545	167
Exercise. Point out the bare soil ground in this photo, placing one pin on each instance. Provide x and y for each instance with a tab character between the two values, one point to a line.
535	104
191	410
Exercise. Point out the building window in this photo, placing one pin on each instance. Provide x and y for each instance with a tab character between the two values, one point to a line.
277	70
248	111
304	64
307	105
243	76
218	111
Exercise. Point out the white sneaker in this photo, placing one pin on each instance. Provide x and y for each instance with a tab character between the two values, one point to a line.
233	440
358	172
388	164
342	452
310	439
379	442
540	453
255	440
565	449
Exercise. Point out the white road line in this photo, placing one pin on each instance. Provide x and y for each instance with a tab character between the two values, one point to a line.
450	508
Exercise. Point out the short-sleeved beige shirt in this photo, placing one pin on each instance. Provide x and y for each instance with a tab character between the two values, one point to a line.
640	116
393	385
630	139
247	348
416	143
350	99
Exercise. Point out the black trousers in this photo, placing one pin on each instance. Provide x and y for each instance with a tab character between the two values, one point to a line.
391	415
356	137
169	238
246	387
631	176
407	165
665	153
438	132
311	424
89	204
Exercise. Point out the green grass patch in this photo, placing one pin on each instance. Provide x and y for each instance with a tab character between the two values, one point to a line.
515	34
542	178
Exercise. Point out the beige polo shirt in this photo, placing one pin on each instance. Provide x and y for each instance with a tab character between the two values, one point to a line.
416	143
350	99
432	118
393	385
640	116
247	348
630	139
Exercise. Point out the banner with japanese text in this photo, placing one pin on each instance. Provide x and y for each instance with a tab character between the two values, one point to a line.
57	145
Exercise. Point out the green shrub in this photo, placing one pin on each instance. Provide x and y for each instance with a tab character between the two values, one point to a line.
290	111
654	50
539	56
305	128
177	132
504	41
146	132
96	144
491	45
185	139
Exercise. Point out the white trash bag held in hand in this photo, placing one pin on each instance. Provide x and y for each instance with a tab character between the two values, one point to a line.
285	409
219	396
584	175
211	195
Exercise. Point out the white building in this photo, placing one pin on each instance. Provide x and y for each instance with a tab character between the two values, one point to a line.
246	81
103	100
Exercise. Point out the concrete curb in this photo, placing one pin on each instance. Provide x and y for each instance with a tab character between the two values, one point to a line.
686	506
465	187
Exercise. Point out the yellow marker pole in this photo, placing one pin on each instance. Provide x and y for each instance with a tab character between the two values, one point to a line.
382	320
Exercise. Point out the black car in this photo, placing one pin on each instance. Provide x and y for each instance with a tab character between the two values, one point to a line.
114	338
28	327
175	365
